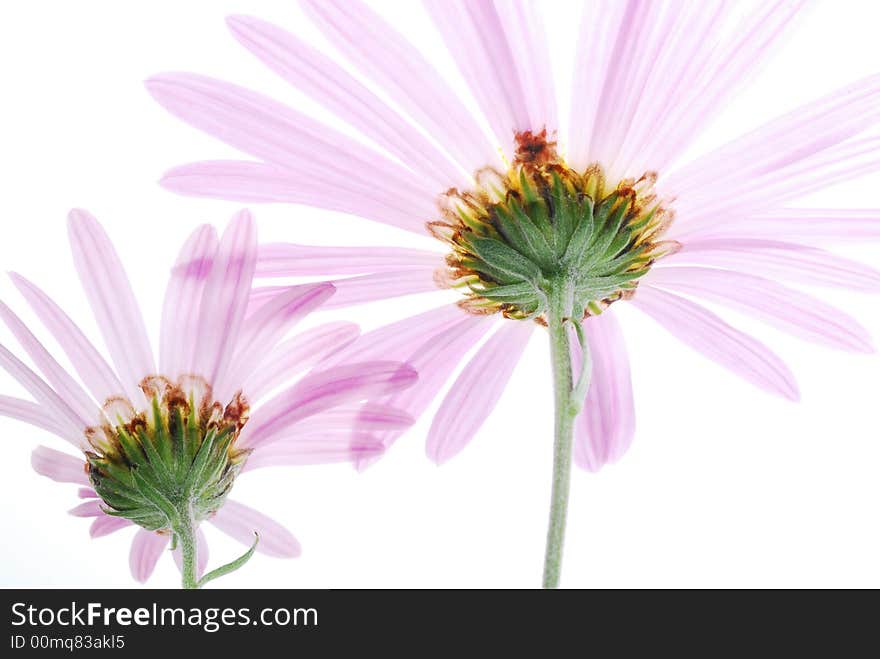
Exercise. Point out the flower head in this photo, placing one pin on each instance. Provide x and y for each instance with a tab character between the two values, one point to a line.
601	210
162	447
184	442
545	222
519	233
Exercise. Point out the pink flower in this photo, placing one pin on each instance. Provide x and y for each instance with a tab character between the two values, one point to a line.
217	358
660	235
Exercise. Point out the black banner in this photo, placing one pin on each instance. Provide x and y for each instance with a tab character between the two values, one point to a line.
594	623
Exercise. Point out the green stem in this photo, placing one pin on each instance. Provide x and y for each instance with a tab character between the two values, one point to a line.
567	407
185	531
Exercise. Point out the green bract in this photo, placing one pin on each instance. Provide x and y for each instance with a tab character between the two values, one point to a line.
542	227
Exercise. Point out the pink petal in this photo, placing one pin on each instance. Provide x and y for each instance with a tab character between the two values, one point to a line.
432	342
476	391
261	296
404	74
352	291
369	417
320	78
241	522
527	42
316	449
400	339
718	63
107	524
289	260
789	310
87	509
645	28
241	180
269	130
224	299
52	403
800	224
183	296
263	299
91	367
86	493
435	340
435	359
600	30
146	548
776	162
201	553
669	54
321	391
474	33
787	181
605	427
34	414
298	354
706	333
782	260
806	131
113	302
337	435
260	182
66	387
58	466
262	330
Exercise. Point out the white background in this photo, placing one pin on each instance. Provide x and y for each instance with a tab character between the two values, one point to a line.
724	485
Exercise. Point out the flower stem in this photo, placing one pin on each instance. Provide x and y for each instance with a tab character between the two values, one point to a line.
567	406
185	530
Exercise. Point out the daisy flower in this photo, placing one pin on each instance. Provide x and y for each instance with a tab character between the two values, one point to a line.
160	449
548	226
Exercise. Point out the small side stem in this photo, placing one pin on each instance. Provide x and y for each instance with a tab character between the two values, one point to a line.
232	566
185	531
566	409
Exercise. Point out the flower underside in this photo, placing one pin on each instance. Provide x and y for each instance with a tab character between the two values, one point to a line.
177	459
541	227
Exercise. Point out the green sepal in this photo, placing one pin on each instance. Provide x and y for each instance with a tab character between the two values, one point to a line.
147	518
513	292
607	232
162	436
566	213
156	461
201	459
501	258
543	250
218	460
177	431
192	436
156	497
534	206
130	448
117	472
521	233
582	234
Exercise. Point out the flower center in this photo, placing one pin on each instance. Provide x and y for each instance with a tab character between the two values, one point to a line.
542	225
176	459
